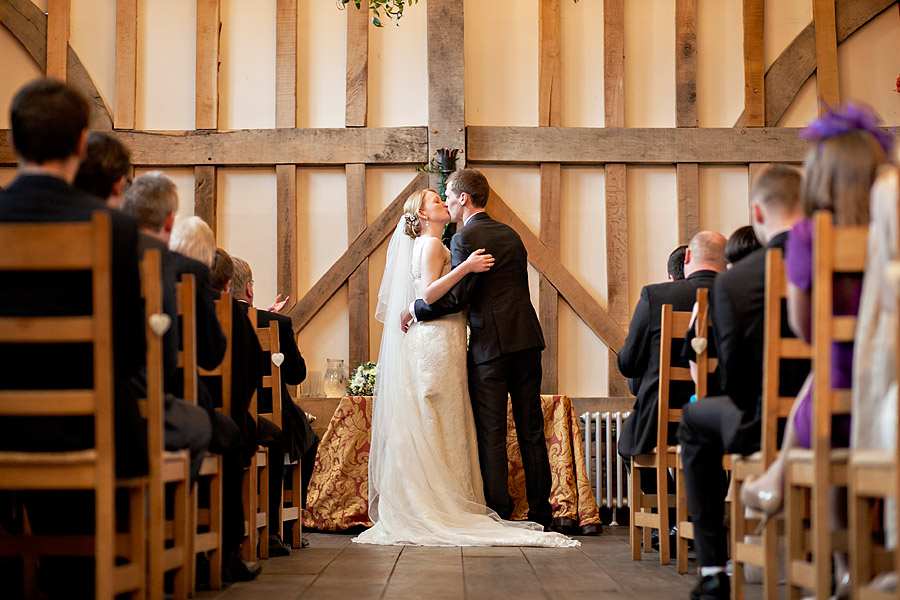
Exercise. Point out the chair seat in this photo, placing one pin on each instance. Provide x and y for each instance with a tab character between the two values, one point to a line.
872	459
873	473
801	464
210	465
175	466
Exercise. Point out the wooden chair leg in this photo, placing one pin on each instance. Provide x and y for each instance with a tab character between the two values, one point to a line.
681	517
770	560
297	500
156	538
793	533
263	531
137	533
662	504
215	518
180	539
249	491
634	507
736	536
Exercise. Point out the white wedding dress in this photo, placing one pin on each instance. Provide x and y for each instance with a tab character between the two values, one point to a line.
425	485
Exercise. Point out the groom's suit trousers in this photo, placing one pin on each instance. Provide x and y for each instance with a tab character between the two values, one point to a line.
519	373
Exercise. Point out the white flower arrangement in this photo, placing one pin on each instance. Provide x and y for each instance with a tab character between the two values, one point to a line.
362	380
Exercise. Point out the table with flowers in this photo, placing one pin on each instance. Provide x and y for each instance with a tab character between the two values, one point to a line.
338	491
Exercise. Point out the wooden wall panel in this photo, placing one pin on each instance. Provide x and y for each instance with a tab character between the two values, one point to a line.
205	188
126	64
358	283
754	67
686	63
58	16
826	54
286	178
446	80
549	80
357	64
548	296
687	176
614	62
286	63
207	104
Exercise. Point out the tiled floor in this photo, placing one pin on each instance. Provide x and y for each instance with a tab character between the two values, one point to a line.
334	567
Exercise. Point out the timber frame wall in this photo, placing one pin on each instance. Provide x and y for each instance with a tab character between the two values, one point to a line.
753	141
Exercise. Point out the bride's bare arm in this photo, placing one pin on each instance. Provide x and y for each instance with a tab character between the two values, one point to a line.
433	262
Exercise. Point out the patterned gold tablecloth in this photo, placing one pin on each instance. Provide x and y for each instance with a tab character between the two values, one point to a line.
338	491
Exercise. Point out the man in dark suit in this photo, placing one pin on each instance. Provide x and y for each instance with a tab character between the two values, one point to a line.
504	347
105	171
639	356
49	134
299	440
713	426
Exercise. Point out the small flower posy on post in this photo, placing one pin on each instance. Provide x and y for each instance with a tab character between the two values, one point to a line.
362	380
392	9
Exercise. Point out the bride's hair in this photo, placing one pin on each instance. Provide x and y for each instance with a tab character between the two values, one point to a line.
413	225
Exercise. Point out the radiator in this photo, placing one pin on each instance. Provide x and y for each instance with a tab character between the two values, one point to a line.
606	470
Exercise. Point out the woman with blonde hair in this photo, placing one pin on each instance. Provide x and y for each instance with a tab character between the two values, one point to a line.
192	237
425	485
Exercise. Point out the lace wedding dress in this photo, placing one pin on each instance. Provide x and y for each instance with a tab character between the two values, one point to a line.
425	484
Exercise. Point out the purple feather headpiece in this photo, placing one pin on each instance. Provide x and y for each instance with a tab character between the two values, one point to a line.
846	118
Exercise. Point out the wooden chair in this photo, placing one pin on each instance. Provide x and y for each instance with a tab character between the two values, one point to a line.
73	247
291	502
774	407
166	468
836	251
204	534
706	366
256	501
674	325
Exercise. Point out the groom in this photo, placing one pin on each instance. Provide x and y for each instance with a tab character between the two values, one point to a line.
504	349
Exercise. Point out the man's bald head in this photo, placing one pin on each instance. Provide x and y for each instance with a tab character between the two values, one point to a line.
705	252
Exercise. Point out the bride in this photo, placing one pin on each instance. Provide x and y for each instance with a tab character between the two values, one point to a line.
425	485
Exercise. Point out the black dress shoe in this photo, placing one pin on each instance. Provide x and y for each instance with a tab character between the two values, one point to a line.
277	547
234	569
304	542
712	587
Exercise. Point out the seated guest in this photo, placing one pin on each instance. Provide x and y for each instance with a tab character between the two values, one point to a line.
639	356
153	200
715	425
302	441
48	133
838	173
106	169
675	264
234	434
741	243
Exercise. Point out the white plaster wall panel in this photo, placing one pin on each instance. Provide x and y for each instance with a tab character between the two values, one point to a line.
321	64
247	65
398	70
784	19
247	226
583	364
652	225
649	63
723	198
383	184
581	69
92	35
720	62
184	182
501	62
17	70
867	66
166	64
321	240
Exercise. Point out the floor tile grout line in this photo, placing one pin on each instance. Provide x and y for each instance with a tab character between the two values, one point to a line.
391	574
321	571
536	576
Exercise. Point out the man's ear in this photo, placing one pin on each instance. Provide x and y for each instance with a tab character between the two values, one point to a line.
757	213
248	291
687	256
81	149
463	198
169	223
118	188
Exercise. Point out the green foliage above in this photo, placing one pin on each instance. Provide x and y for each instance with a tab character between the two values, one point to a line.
392	9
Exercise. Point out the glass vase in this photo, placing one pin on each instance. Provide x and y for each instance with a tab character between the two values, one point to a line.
335	384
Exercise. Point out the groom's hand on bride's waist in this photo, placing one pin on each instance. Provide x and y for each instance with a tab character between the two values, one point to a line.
406	319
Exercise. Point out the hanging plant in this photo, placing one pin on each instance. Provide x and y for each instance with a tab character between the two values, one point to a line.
392	9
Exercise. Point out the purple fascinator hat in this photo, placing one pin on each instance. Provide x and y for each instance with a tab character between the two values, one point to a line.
849	117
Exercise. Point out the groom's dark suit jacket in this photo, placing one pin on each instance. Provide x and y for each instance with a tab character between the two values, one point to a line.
501	317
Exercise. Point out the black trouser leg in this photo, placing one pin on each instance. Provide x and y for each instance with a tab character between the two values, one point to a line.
307	464
270	436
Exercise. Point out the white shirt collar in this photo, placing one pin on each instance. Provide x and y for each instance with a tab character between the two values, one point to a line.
466	222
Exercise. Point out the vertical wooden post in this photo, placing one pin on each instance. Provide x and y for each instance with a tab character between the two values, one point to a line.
359	282
829	92
126	64
207	105
754	65
286	176
357	64
548	295
753	170
286	64
618	305
549	83
687	177
686	63
58	15
205	195
446	80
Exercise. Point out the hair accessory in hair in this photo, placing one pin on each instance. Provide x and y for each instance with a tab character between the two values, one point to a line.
846	118
410	218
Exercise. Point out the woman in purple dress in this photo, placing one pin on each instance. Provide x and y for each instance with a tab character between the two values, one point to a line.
837	176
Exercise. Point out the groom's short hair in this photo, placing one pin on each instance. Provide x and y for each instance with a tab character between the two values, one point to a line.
471	182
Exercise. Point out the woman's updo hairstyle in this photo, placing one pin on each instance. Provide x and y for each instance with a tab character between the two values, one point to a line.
412	221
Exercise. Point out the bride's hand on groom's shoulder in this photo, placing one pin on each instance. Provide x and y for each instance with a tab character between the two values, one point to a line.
479	262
